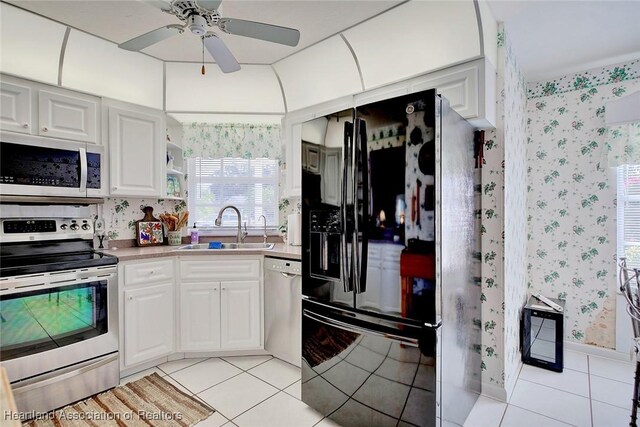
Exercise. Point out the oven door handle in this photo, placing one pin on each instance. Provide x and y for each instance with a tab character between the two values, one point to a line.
57	377
84	170
40	283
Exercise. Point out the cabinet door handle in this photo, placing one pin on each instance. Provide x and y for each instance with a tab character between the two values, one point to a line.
130	298
215	289
45	129
224	289
25	125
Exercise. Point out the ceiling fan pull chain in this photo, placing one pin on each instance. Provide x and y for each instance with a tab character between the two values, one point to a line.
202	70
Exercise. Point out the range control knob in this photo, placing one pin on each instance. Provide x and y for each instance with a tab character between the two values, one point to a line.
85	226
74	226
63	227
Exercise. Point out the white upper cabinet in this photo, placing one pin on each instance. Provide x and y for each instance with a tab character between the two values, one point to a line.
415	38
321	73
136	149
30	44
97	66
15	107
253	89
39	109
68	116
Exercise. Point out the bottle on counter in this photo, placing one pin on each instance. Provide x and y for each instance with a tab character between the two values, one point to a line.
195	235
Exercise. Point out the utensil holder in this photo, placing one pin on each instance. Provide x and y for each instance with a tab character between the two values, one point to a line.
175	238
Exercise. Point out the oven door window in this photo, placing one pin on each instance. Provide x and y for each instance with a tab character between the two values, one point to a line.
37	321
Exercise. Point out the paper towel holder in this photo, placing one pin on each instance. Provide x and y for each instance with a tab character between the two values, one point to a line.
294	237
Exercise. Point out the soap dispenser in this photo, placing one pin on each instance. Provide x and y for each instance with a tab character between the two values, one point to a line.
195	235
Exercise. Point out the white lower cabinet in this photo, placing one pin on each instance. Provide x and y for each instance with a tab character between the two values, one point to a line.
220	303
200	316
189	304
149	322
240	315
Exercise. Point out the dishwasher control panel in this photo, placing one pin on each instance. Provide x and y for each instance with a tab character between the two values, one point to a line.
283	265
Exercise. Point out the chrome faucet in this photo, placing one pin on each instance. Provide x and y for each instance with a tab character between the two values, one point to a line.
264	232
241	234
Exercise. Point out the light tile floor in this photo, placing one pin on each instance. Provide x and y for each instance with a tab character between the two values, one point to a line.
591	392
265	391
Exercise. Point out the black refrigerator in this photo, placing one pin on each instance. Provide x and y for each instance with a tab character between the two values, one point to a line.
390	290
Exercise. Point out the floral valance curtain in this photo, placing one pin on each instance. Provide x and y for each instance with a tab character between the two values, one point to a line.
623	142
248	141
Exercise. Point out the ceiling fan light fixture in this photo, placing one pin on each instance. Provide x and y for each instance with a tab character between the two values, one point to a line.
197	25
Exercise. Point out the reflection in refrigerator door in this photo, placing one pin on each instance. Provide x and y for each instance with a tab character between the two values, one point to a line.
358	377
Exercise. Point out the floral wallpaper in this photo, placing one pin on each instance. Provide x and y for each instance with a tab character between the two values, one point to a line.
249	141
503	227
572	197
586	80
120	215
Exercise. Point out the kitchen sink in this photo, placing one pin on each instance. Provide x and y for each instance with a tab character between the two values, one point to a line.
228	247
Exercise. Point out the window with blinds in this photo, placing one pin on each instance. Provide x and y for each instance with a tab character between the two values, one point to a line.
629	214
251	185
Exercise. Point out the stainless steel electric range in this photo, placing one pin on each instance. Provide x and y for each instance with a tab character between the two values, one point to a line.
58	307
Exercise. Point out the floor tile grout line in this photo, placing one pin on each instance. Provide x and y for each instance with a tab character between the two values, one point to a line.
223	381
611	379
178	370
538	413
266	382
611	404
255	366
553	388
248	409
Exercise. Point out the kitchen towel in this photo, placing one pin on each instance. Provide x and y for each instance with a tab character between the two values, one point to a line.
294	234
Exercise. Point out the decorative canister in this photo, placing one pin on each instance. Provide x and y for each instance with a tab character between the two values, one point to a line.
175	238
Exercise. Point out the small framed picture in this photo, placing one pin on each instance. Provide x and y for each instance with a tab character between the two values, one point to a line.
149	233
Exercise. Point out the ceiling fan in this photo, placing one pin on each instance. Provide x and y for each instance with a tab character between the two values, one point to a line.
201	14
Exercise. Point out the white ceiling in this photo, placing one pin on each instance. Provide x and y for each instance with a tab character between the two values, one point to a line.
121	20
549	37
553	38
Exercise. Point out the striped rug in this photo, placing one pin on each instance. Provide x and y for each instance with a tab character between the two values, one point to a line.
149	401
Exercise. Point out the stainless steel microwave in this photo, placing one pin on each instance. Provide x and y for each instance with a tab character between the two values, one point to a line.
36	166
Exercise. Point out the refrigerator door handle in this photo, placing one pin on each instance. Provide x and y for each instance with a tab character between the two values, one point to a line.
357	329
360	146
355	248
346	279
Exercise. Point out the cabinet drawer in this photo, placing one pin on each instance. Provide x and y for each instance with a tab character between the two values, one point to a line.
219	269
146	272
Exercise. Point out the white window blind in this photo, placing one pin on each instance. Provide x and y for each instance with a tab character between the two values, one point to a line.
628	214
251	185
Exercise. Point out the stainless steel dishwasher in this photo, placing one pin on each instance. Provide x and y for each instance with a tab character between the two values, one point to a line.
282	308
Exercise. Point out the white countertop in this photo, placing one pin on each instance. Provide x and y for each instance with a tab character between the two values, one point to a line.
280	250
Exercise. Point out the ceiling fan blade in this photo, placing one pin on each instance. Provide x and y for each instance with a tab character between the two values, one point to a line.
152	37
259	30
209	4
221	54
